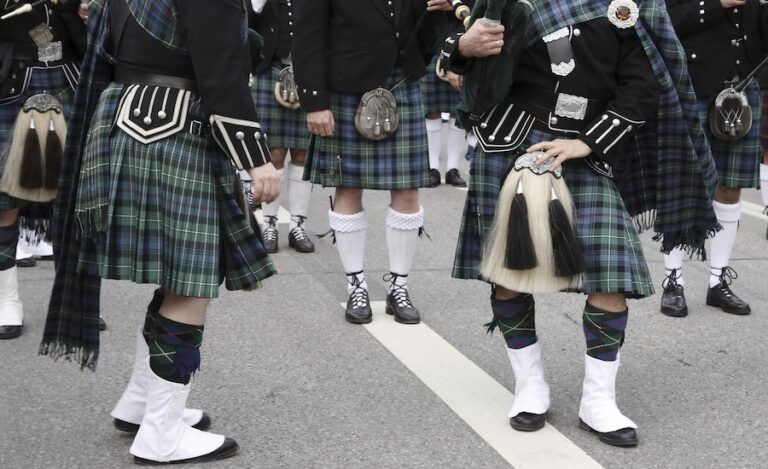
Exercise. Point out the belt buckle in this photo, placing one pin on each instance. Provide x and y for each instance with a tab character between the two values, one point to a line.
196	128
571	107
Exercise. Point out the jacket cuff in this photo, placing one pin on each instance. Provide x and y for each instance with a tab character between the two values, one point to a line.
451	57
607	134
242	140
314	100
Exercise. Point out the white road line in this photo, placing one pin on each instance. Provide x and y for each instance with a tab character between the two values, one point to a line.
283	216
752	209
474	396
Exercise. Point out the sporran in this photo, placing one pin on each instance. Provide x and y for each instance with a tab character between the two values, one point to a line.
377	117
286	91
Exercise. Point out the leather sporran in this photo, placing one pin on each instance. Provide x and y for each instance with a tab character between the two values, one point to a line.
286	91
377	117
731	116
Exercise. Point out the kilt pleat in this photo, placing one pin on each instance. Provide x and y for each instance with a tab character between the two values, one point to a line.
349	160
610	243
285	128
438	95
737	162
764	120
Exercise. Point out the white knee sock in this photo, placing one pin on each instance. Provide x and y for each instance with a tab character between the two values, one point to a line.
402	236
350	240
457	143
434	142
722	244
674	261
764	183
299	192
270	209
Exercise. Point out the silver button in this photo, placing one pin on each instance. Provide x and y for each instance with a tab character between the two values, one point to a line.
162	115
701	3
147	120
491	138
314	93
604	117
616	122
576	32
136	112
239	135
508	138
738	62
257	135
553	120
735	10
701	12
693	56
701	20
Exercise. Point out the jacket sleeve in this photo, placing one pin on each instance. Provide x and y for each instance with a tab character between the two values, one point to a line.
635	100
221	62
309	53
693	16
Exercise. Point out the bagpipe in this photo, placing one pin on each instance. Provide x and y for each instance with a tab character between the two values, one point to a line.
532	246
462	11
28	7
730	117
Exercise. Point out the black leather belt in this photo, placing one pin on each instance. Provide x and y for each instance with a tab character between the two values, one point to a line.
131	76
542	104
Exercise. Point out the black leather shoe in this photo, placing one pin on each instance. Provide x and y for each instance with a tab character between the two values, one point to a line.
625	437
128	427
527	422
358	307
399	303
227	449
673	299
9	332
269	234
434	178
26	262
721	296
102	324
298	238
453	178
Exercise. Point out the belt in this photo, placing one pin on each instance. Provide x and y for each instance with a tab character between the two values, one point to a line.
131	76
559	109
26	55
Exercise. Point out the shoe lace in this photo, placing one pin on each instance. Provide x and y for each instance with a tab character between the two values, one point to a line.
399	292
670	282
359	295
248	190
727	276
299	232
270	228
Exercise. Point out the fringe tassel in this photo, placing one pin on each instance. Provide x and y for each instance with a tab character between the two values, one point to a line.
520	253
644	221
53	154
86	358
423	232
491	326
692	245
31	173
569	260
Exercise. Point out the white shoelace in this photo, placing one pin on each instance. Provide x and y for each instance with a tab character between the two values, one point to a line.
270	228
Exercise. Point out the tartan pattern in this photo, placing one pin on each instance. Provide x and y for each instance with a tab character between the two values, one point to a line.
668	178
284	128
349	160
737	162
604	332
764	120
516	319
9	238
50	80
437	95
610	243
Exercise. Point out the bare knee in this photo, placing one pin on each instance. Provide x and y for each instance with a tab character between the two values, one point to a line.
298	157
184	309
8	217
405	201
348	200
727	195
611	302
501	293
433	115
278	157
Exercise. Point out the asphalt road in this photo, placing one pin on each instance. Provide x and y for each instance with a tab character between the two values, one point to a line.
298	387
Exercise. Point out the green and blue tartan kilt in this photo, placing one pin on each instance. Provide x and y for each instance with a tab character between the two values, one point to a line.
609	240
349	160
438	95
737	162
764	119
164	222
284	128
54	81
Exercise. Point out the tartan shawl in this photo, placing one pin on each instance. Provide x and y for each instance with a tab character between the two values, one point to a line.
668	177
72	325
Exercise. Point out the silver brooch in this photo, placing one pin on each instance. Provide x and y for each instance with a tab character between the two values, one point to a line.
528	161
623	13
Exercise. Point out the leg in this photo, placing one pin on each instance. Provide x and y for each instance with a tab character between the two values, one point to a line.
457	142
764	182
728	210
269	210
349	222
11	310
405	219
173	331
514	313
673	298
435	146
299	193
605	320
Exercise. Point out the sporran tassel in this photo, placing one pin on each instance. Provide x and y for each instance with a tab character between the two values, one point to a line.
53	152
31	173
520	253
566	251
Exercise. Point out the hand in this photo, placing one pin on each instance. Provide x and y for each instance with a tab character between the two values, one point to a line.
457	81
561	150
439	5
321	123
265	183
732	3
481	40
83	11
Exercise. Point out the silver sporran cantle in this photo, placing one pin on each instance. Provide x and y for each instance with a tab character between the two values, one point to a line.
377	117
286	92
731	116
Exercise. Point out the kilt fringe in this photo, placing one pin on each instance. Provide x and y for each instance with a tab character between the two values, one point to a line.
34	229
86	358
685	240
91	221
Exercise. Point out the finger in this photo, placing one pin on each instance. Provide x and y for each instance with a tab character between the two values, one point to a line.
333	126
558	162
541	146
257	188
270	193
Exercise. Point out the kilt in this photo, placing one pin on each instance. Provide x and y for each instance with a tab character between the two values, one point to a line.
349	160
737	163
156	210
764	120
613	253
51	80
284	128
438	95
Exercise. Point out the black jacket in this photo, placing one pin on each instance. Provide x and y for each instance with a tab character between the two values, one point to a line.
276	27
63	22
720	44
351	46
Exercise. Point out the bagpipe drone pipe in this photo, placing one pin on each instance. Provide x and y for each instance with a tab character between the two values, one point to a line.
532	246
